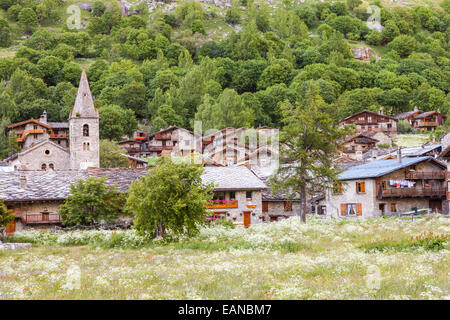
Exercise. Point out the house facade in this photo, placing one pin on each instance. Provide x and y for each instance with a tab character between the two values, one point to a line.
35	195
445	156
32	131
371	121
388	186
421	120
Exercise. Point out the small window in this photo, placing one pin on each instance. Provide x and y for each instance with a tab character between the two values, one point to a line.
337	188
47	152
287	205
85	130
44	166
360	187
248	195
393	207
51	166
384	185
232	195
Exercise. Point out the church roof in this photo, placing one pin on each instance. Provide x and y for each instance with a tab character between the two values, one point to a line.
84	104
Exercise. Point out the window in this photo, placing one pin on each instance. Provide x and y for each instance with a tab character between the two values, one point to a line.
47	152
248	195
51	166
351	209
265	206
393	207
337	188
85	130
361	187
44	166
232	195
383	185
381	206
219	195
287	205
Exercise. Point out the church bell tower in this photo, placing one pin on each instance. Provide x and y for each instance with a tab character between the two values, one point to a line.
84	129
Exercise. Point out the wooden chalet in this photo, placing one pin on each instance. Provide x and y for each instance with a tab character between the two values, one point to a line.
423	121
371	121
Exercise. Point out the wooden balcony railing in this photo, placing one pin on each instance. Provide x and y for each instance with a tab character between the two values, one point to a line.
427	124
41	218
133	149
220	204
160	136
160	148
27	132
425	175
411	193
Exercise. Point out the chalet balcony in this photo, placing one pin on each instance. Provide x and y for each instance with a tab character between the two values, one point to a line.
160	136
438	192
160	148
222	204
427	124
27	132
440	175
133	150
41	218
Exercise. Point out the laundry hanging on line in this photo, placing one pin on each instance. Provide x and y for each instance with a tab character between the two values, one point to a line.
402	183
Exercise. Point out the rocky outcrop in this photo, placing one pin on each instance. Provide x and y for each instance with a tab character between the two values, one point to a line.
364	53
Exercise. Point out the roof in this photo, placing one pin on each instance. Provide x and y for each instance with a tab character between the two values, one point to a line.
429	113
407	114
268	194
58	125
18	124
371	112
84	104
55	185
444	134
134	158
232	178
380	168
418	151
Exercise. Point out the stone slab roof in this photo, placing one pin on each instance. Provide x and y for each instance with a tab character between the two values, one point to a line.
232	178
380	168
55	185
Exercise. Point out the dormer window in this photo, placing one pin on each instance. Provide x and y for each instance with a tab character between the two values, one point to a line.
86	130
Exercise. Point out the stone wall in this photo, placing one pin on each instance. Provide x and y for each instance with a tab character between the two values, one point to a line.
81	155
48	153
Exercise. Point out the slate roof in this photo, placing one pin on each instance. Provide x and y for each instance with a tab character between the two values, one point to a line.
429	113
417	151
84	104
55	185
380	168
268	194
58	125
232	178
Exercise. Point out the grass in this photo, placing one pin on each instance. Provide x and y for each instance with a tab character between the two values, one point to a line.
411	140
281	260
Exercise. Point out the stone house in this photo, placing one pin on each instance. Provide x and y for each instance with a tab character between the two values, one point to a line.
445	156
35	196
45	144
423	121
356	145
385	186
371	121
32	131
173	141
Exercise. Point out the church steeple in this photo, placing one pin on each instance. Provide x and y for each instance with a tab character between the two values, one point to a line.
84	104
84	129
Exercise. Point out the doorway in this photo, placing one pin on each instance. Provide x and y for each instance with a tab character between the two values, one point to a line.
436	206
247	218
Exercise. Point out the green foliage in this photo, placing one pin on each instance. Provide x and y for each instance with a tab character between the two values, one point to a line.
116	122
5	33
427	242
308	144
6	216
170	197
110	155
403	126
28	19
90	201
228	224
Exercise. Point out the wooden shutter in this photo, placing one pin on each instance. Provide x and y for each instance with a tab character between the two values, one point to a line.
343	209
288	206
358	209
265	206
363	186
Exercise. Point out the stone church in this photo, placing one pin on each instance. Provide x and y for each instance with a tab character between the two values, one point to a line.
48	153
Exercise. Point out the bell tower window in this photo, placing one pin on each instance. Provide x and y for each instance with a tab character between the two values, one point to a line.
86	130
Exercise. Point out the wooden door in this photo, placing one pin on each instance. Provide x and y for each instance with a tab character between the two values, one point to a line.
10	228
247	219
436	205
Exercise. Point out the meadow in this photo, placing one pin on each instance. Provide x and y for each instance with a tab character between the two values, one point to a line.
383	258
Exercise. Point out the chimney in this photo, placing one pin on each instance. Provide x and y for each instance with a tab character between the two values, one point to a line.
43	117
374	154
399	155
23	181
415	109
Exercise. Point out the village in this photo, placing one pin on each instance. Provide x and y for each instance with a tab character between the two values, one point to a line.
374	181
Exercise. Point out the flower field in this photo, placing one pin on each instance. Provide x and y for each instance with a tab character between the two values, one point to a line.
383	258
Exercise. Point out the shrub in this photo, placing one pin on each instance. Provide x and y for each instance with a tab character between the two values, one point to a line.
225	223
428	242
403	126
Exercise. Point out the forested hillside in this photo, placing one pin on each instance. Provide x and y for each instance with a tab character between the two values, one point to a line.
228	64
